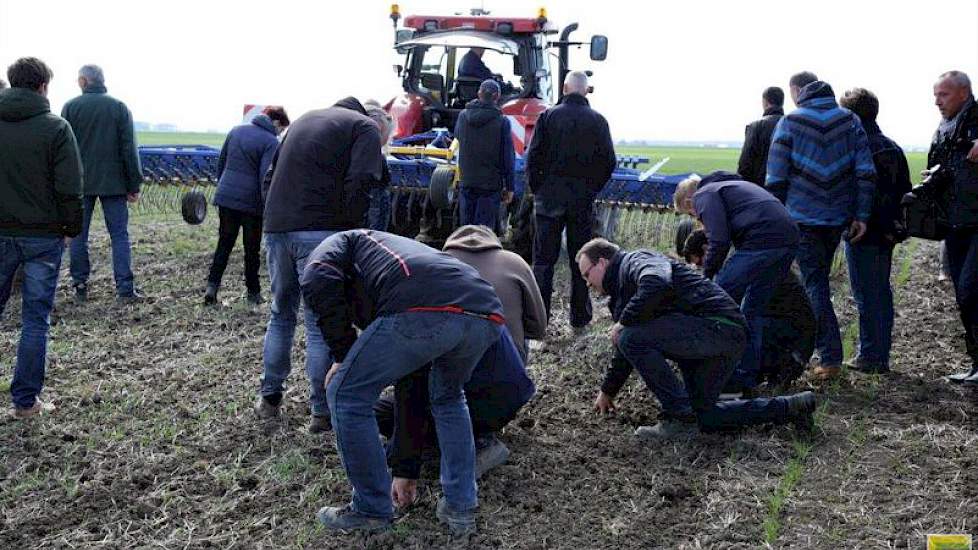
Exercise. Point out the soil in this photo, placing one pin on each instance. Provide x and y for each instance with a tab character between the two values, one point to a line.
155	444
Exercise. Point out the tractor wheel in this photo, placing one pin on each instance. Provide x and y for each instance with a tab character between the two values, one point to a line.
441	191
193	206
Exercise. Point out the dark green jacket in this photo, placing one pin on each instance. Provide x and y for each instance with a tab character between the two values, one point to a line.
40	171
103	126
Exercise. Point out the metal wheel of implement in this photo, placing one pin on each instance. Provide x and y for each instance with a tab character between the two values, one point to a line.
441	189
193	206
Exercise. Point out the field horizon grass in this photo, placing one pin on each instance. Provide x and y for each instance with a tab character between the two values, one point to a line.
682	160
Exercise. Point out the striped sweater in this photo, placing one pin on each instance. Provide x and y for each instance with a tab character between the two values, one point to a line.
820	164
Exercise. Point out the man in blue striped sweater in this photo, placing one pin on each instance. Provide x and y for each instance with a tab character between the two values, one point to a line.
821	167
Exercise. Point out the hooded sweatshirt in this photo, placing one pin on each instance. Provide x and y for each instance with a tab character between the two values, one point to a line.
510	276
40	171
486	154
820	164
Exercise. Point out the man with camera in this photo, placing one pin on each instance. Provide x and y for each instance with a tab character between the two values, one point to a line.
951	182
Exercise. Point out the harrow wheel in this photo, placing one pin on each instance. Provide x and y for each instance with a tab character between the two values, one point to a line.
441	191
193	206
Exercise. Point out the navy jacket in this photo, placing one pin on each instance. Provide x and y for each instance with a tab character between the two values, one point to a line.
892	182
486	154
643	285
472	66
353	277
734	211
245	157
322	172
498	389
570	141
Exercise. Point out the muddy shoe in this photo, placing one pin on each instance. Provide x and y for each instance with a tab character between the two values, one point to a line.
961	377
667	428
210	295
133	297
38	408
460	524
826	372
346	519
319	424
800	408
868	367
255	299
81	293
489	453
265	409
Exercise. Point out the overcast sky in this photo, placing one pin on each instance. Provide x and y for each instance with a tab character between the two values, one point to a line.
686	70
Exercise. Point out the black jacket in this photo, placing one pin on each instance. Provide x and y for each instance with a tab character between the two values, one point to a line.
956	184
40	170
757	142
571	141
643	285
892	182
353	277
322	171
486	154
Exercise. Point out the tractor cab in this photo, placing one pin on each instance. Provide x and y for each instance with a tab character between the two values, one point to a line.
440	53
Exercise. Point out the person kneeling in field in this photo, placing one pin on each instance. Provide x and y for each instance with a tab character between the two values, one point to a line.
664	309
788	323
417	306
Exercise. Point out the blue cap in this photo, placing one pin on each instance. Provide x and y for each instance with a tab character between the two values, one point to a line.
489	87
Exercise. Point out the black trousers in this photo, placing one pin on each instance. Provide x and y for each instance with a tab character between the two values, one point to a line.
546	251
250	225
962	255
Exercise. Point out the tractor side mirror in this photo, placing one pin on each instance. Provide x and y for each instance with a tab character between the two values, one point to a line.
599	47
403	35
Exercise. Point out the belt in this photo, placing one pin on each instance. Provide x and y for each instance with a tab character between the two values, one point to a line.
493	317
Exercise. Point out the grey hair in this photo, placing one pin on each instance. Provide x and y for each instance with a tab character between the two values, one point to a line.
92	73
384	121
957	78
576	82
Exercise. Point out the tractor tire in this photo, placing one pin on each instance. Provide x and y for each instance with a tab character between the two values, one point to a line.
193	206
441	192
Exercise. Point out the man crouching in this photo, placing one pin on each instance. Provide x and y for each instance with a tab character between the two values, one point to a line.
417	306
664	309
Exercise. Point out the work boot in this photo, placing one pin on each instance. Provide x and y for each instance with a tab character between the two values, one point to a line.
489	453
460	524
320	424
666	429
81	293
344	518
210	295
826	372
266	409
867	367
38	408
131	298
800	409
255	299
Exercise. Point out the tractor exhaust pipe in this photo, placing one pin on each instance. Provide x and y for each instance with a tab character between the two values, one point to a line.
563	56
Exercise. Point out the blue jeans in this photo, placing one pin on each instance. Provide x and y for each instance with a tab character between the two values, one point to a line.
706	352
750	278
287	254
379	212
869	278
478	207
453	344
816	250
115	210
41	258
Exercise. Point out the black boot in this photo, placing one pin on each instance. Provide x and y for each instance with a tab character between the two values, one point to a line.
800	408
210	295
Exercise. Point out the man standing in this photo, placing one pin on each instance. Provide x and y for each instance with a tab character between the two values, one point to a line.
318	184
869	260
757	137
426	307
571	157
664	309
820	166
40	208
955	186
103	126
486	159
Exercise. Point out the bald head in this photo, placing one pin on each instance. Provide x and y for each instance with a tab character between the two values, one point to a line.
576	83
